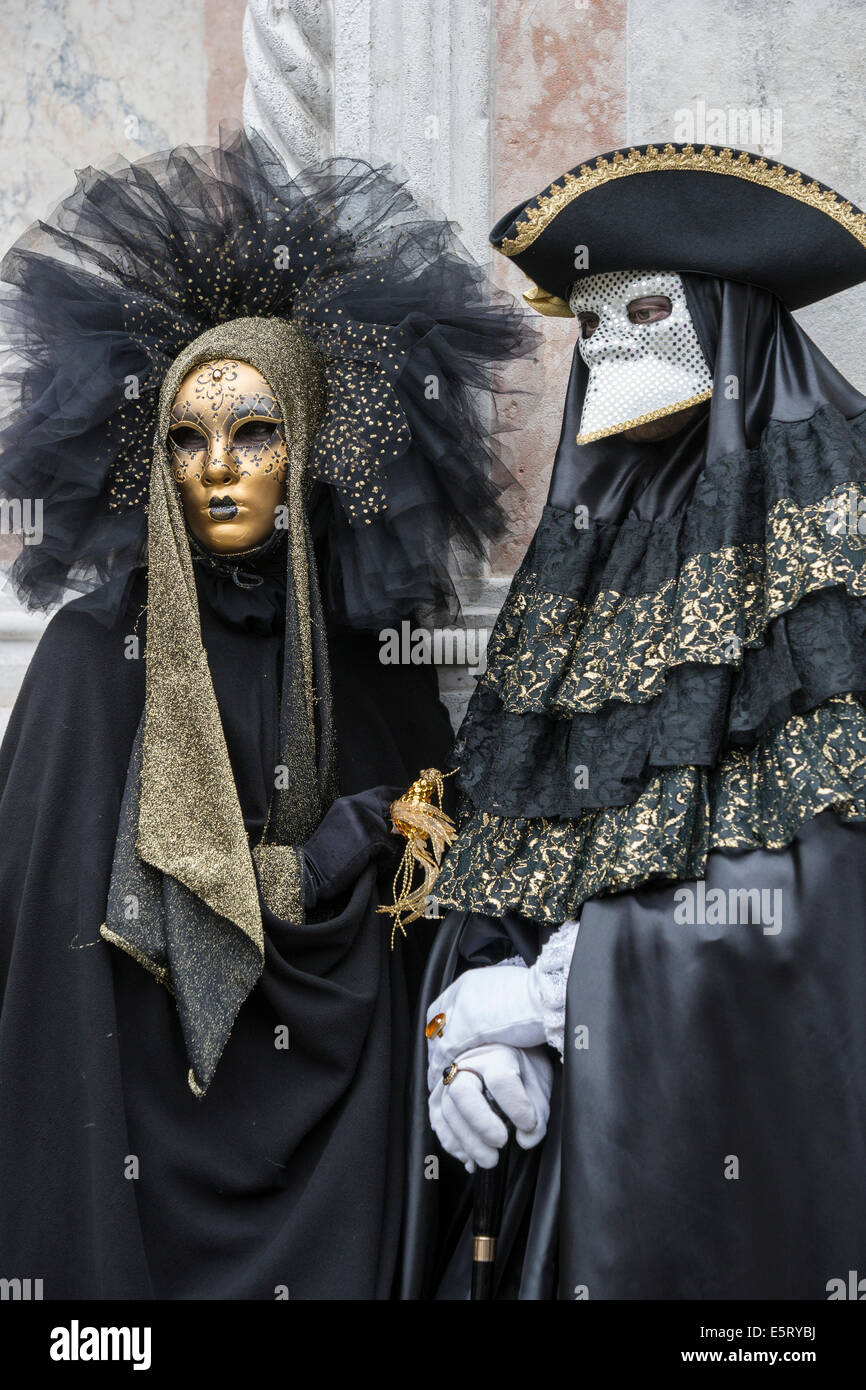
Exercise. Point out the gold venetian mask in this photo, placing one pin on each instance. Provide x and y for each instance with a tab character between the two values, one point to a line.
228	455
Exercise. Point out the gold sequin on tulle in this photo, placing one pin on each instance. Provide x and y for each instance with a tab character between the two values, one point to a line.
551	652
709	159
363	425
755	798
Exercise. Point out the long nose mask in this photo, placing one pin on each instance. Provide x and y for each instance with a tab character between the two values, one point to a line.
639	342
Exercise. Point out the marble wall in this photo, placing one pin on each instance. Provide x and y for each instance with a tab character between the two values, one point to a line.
83	80
560	97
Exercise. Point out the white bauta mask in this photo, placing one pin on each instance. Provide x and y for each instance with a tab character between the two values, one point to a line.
638	371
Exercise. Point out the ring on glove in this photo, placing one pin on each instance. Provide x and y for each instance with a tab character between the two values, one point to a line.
452	1071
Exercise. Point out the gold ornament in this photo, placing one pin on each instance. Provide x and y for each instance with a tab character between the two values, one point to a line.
417	817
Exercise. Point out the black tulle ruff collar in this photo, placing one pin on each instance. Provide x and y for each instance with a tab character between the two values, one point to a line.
140	260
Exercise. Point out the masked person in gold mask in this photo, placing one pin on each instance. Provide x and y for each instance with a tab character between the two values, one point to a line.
220	396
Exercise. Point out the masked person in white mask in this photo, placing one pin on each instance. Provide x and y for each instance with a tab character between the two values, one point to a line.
656	958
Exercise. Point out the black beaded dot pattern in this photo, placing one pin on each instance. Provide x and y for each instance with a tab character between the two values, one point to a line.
637	371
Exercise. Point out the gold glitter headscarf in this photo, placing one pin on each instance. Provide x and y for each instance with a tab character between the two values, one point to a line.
181	804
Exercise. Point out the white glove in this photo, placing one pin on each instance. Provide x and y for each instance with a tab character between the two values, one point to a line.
518	1079
492	1004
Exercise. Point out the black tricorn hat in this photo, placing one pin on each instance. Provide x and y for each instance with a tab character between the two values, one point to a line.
711	210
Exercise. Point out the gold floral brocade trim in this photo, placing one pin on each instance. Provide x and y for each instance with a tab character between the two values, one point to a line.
755	798
552	652
710	160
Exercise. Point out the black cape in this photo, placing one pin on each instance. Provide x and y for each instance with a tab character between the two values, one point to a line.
285	1180
707	1137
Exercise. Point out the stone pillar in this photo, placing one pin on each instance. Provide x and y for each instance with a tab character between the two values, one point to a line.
392	83
412	87
289	52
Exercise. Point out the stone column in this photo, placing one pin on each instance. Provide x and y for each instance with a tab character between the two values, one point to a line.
405	84
412	87
289	52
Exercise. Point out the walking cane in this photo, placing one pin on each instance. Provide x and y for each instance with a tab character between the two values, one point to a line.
489	1199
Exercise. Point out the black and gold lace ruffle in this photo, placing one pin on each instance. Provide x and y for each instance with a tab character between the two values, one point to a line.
754	798
558	653
605	613
641	670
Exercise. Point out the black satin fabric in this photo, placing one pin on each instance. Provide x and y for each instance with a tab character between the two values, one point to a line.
708	1044
116	1182
705	1043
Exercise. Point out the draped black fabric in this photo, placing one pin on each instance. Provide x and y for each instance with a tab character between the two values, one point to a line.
714	1127
707	1137
708	1125
117	1183
783	427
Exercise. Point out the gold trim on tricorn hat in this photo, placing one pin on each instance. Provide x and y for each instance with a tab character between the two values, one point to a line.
818	265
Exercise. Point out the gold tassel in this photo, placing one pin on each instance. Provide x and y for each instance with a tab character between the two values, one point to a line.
415	816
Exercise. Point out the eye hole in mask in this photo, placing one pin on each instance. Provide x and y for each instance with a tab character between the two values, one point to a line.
649	308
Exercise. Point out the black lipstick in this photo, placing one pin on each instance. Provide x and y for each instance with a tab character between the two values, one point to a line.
222	508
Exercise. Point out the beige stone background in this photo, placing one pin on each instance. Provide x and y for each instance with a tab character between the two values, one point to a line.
481	101
83	80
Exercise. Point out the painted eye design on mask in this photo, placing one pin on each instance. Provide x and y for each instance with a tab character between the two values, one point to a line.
188	447
256	444
649	308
